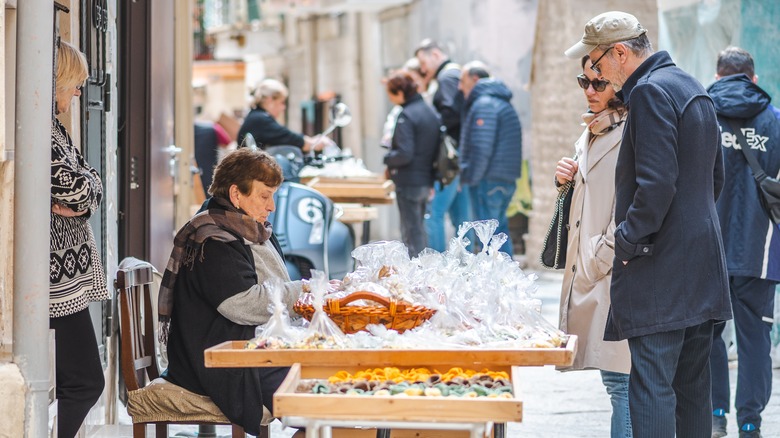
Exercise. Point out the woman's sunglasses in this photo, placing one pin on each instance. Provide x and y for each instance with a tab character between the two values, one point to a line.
598	84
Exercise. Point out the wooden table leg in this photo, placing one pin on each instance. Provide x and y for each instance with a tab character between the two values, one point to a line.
365	238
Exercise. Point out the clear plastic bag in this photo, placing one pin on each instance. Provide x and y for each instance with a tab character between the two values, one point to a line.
322	331
277	332
279	324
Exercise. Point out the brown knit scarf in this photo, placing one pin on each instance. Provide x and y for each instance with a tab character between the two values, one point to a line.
220	224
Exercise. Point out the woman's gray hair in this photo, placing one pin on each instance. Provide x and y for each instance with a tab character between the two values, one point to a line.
269	88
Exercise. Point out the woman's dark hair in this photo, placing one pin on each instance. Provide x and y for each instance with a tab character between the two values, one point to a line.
402	82
615	102
241	167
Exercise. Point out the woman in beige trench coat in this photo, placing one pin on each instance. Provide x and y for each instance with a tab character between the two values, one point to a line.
588	271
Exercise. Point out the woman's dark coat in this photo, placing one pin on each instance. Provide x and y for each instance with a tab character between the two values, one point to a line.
415	143
267	131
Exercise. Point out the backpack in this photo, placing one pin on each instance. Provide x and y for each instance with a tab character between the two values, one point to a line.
445	165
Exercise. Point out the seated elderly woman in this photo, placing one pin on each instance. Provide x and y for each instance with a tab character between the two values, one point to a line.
212	290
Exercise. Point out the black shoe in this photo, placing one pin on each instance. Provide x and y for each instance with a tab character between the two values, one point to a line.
719	426
754	433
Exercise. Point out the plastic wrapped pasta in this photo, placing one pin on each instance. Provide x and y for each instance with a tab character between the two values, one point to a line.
481	300
277	332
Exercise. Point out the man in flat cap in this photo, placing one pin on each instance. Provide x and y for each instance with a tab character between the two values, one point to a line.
669	278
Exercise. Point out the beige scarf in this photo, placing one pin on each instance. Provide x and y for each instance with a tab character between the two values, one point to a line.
605	121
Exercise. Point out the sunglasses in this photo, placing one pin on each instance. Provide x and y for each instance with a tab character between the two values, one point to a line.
598	84
595	66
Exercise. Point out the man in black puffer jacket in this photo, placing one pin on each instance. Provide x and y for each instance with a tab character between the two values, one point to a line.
491	146
751	241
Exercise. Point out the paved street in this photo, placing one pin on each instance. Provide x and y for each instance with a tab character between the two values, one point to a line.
575	405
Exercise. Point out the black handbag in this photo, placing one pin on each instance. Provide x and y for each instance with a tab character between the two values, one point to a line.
555	243
446	164
768	187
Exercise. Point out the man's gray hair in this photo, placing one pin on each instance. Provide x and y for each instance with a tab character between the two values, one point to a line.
640	46
476	69
427	46
734	60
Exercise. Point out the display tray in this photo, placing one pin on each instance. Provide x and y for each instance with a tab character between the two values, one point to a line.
375	179
232	354
365	191
287	402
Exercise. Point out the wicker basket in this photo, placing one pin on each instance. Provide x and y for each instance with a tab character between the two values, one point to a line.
393	314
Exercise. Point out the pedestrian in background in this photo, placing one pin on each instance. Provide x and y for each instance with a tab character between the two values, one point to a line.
443	77
751	241
410	159
669	279
411	66
590	250
270	101
491	146
76	274
209	138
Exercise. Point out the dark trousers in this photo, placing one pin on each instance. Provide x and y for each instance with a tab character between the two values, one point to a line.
412	203
753	302
79	373
241	393
669	388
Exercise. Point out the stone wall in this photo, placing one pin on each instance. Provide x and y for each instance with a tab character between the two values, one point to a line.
12	393
6	254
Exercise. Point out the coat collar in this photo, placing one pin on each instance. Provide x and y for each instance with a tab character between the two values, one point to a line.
414	98
441	67
601	145
653	62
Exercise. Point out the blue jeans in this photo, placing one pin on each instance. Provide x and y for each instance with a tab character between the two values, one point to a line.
451	199
752	301
491	200
617	388
412	203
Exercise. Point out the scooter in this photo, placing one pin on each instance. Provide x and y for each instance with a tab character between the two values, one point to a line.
306	221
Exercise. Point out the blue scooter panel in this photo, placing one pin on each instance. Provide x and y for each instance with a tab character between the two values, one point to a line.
301	222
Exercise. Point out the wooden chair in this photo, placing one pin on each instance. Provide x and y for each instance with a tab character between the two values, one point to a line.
159	402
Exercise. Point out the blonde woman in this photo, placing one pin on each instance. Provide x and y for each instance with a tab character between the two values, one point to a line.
76	271
270	101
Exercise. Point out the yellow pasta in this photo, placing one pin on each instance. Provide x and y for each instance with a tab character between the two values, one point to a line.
412	375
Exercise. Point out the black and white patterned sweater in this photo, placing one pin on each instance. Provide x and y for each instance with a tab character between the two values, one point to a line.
76	274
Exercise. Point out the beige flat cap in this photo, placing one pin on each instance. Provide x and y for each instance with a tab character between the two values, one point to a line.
607	28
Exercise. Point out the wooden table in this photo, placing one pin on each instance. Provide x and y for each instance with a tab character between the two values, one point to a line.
365	191
320	411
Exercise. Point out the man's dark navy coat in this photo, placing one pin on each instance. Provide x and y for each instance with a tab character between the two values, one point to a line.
669	174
